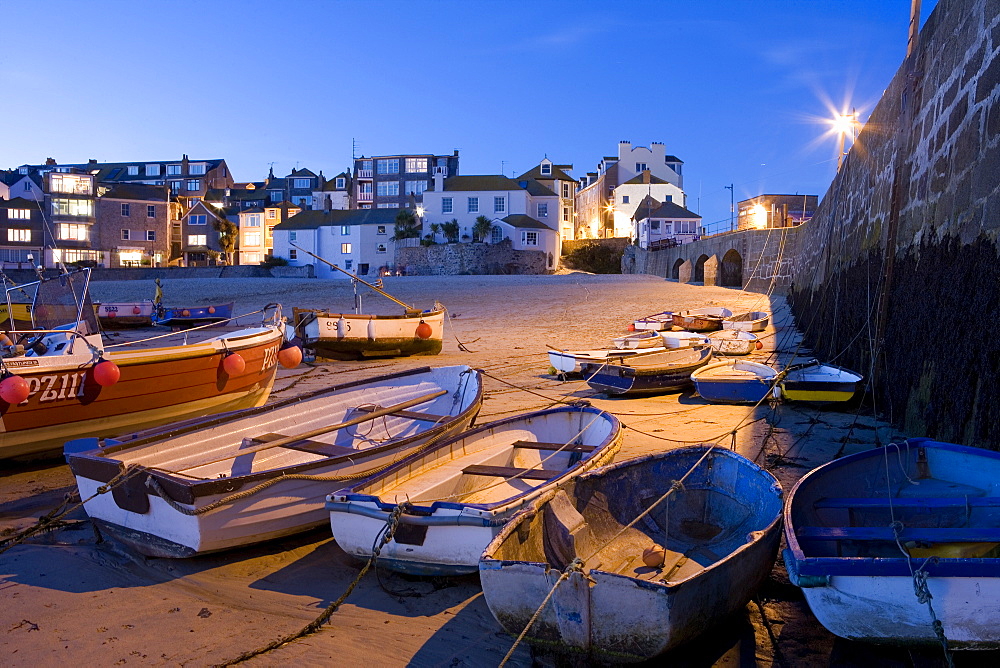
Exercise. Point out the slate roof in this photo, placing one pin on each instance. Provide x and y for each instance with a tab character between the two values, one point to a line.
18	203
522	221
673	158
645	178
311	220
137	191
557	173
665	210
479	182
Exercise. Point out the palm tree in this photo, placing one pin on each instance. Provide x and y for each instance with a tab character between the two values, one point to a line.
435	231
228	234
482	227
407	226
450	230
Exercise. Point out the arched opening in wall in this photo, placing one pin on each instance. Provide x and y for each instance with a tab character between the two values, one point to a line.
699	269
732	269
675	273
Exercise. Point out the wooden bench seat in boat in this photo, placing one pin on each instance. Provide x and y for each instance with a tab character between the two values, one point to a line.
410	415
306	445
910	502
532	445
918	534
510	472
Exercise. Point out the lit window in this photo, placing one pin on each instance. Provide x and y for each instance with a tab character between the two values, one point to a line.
197	240
74	184
126	209
251	239
196	168
543	210
72	207
72	232
23	214
253	220
416	187
150	211
529	238
387	166
193	185
446	205
150	235
125	235
173	170
345	249
414	165
300	183
198	219
387	189
133	170
380	229
152	170
473	205
18	235
380	248
345	229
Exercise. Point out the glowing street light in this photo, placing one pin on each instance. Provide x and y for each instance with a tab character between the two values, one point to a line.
843	125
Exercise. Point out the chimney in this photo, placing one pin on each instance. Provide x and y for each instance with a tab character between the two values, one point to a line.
52	161
439	172
327	204
92	161
184	164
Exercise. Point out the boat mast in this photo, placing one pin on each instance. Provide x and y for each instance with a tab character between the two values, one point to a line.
359	280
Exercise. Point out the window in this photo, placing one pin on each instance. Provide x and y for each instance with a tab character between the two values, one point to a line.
193	184
546	169
380	248
543	210
72	207
198	219
416	187
126	209
293	254
666	227
73	184
133	170
251	258
18	235
669	198
150	211
175	187
565	190
496	235
251	238
446	205
252	220
152	170
150	235
197	240
291	236
380	229
196	168
72	232
126	234
345	229
75	255
654	225
173	170
640	167
473	205
387	166
275	195
301	183
269	230
686	226
365	189
529	238
271	214
22	214
345	249
499	204
366	165
624	199
414	165
387	189
565	214
340	183
348	264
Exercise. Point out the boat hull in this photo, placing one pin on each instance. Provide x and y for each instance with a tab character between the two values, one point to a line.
569	361
143	519
750	383
125	314
636	376
183	317
821	383
656	323
156	386
755	321
616	609
353	336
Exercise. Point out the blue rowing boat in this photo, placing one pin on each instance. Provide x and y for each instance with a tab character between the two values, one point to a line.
885	541
191	316
670	544
646	373
735	381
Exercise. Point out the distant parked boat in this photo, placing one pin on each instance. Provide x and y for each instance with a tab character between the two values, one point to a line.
735	381
657	322
871	534
754	321
822	383
637	340
711	544
461	492
734	342
126	314
706	319
569	361
647	373
183	317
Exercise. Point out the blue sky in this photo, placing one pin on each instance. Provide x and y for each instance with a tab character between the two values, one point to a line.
735	89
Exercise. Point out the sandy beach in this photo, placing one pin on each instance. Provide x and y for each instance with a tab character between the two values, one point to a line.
67	596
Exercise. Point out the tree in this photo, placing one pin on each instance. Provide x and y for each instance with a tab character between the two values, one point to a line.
482	228
435	231
450	230
407	226
228	234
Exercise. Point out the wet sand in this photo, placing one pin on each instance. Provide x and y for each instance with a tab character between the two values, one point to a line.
68	596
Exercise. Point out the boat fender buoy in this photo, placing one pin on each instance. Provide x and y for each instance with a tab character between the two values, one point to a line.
760	345
424	330
653	556
234	364
631	327
185	313
106	373
211	309
371	330
290	355
5	340
14	389
111	314
136	310
341	327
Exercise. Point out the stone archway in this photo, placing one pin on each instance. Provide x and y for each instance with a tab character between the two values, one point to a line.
732	270
675	273
699	269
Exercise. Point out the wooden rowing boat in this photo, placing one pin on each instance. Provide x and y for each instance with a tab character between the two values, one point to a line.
126	314
357	335
733	342
638	340
569	361
706	319
735	382
657	322
460	492
754	321
879	539
293	450
658	567
819	383
647	373
183	317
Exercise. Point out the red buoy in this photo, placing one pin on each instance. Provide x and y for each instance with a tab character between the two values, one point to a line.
136	310
424	330
211	309
185	313
631	327
14	389
112	314
760	344
290	355
234	364
106	373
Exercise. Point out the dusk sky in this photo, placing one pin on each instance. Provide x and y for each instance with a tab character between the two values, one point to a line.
737	90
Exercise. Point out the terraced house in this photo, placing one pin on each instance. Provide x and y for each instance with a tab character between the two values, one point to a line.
398	181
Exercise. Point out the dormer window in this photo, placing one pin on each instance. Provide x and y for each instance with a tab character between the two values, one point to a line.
133	170
341	184
546	169
196	168
153	169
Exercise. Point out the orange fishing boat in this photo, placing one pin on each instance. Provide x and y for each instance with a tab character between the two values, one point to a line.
61	382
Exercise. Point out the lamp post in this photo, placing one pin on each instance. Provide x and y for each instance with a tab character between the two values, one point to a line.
732	206
843	125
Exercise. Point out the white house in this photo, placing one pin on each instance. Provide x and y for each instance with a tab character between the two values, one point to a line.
663	225
557	179
334	193
628	195
524	211
357	240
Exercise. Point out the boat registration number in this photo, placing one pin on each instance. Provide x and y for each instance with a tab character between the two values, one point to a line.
55	387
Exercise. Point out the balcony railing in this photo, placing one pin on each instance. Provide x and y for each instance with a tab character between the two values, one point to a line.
364	196
364	174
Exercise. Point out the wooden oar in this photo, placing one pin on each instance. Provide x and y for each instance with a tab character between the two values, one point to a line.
322	430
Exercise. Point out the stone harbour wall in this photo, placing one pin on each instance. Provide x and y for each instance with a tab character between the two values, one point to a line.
471	258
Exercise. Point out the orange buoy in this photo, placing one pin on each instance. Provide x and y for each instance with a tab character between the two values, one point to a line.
106	373
185	313
631	327
111	314
211	309
653	556
5	340
136	310
290	355
234	364
14	389
760	344
424	330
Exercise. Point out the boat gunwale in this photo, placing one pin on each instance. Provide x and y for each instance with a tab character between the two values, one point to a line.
320	313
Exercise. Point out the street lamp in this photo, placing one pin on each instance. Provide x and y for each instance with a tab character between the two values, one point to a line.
843	125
